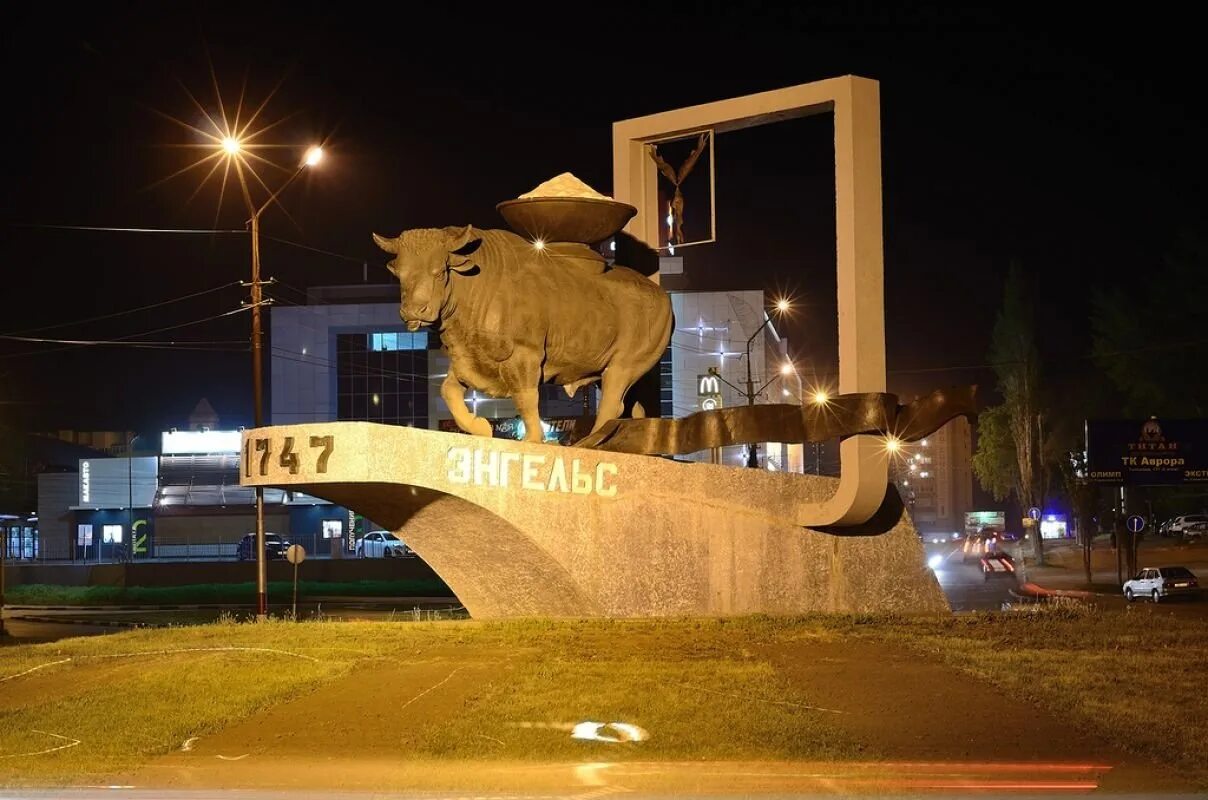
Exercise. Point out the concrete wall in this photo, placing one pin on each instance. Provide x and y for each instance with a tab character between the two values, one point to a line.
630	536
56	493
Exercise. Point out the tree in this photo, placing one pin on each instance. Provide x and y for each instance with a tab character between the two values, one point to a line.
1148	336
1016	362
1084	503
994	461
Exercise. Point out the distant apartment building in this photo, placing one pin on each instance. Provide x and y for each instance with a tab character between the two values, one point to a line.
935	478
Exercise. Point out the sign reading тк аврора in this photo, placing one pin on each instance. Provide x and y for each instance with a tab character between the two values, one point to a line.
1147	452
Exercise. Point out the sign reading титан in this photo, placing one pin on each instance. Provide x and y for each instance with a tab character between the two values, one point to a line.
1147	452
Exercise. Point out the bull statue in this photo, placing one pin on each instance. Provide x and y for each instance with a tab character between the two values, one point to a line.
513	314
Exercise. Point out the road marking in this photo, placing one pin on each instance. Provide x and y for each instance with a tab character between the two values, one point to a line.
34	669
430	688
203	650
71	743
762	700
234	758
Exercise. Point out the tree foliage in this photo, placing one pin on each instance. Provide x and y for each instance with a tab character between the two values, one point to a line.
994	461
1150	337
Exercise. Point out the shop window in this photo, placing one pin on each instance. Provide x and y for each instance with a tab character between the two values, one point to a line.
333	529
84	535
111	534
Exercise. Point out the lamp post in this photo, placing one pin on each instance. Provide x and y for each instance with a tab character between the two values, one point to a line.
232	147
782	306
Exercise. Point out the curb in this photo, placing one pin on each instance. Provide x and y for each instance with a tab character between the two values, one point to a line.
351	602
11	607
1032	591
101	623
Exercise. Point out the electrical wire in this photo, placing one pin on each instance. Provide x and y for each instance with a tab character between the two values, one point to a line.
128	311
109	229
121	340
302	246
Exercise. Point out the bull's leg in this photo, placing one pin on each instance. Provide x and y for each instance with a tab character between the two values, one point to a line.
612	397
527	403
454	394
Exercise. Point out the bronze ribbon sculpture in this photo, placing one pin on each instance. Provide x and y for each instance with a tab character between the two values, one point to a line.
839	417
677	177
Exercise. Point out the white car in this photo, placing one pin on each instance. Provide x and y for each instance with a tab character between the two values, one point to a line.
1158	583
1179	525
382	544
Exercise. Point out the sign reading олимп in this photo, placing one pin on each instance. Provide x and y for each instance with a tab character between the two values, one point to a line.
1147	452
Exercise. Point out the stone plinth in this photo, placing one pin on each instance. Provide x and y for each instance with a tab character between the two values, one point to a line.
523	530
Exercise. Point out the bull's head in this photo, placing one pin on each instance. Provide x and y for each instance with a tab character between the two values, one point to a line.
422	262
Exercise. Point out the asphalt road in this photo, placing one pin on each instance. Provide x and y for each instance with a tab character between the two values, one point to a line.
963	583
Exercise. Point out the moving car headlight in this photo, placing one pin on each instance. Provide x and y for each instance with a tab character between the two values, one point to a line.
935	561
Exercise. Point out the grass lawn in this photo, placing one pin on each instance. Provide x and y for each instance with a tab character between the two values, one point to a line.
1135	678
215	593
132	695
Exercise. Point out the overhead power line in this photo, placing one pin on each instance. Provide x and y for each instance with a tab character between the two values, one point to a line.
123	313
109	229
191	232
121	340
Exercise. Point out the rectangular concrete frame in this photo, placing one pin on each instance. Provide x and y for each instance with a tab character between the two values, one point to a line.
855	103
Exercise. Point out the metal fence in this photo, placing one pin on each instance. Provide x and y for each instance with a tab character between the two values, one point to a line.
203	548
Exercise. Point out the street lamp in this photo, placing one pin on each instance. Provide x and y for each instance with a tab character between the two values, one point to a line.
232	148
782	306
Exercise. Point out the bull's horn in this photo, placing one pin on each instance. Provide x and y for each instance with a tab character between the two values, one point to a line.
465	241
389	245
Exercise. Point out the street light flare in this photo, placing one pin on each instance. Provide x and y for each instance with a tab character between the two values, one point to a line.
231	145
313	156
783	305
786	368
892	444
821	397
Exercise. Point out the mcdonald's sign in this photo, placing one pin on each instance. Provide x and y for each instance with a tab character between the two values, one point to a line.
708	391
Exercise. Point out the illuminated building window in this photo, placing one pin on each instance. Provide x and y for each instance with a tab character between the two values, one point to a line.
382	377
111	534
388	342
666	387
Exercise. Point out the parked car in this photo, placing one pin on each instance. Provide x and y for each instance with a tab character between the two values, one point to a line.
1179	524
1195	532
997	565
274	546
382	544
1158	583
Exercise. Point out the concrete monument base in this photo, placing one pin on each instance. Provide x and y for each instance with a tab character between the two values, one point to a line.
533	530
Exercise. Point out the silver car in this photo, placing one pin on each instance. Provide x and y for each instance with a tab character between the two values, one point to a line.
382	544
1159	583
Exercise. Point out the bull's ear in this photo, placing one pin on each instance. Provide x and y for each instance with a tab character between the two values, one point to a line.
462	246
389	245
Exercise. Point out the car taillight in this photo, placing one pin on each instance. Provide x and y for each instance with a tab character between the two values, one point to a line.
1009	566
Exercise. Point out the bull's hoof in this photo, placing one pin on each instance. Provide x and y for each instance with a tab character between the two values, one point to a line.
481	427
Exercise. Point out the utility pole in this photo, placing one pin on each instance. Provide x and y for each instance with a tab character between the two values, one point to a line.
312	158
782	306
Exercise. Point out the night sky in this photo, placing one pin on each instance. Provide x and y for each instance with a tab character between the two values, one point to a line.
1078	151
